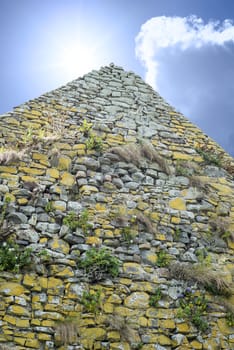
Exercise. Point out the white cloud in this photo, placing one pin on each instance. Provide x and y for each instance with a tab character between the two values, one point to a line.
181	32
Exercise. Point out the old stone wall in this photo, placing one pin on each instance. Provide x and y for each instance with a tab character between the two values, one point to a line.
105	163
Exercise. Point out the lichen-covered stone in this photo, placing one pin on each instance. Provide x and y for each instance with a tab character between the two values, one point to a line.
146	191
177	203
137	300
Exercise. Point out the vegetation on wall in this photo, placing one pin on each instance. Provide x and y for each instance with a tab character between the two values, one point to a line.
12	258
99	264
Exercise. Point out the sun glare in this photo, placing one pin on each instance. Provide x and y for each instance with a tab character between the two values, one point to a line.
75	60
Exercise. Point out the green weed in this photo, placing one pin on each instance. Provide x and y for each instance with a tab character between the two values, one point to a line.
155	297
91	301
99	264
192	308
12	258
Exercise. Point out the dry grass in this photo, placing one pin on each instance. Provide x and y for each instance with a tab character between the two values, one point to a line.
134	153
55	122
197	182
11	156
229	307
221	226
66	332
148	151
128	153
145	221
211	280
119	324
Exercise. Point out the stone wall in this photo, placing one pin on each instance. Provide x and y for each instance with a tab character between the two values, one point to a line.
105	162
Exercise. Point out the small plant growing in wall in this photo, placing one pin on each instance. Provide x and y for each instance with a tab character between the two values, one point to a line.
230	319
210	158
94	142
192	308
163	259
12	258
99	264
91	301
74	221
49	208
181	169
155	297
127	235
6	202
86	127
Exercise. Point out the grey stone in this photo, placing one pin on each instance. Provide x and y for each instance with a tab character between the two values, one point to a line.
18	218
23	193
74	206
159	347
28	210
43	217
148	180
214	171
132	185
145	131
118	182
82	182
42	226
4	189
29	235
189	256
126	178
178	338
33	220
53	228
138	177
91	163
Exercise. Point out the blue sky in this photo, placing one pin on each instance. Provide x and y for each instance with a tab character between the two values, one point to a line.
183	48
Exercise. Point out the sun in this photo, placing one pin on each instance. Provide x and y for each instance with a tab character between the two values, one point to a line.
76	58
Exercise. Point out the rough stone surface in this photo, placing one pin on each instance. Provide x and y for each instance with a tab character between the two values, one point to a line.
117	168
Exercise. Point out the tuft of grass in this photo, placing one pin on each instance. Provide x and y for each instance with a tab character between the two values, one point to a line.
86	127
66	331
148	151
128	153
204	276
9	156
145	221
134	153
197	182
120	324
221	226
127	235
94	142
